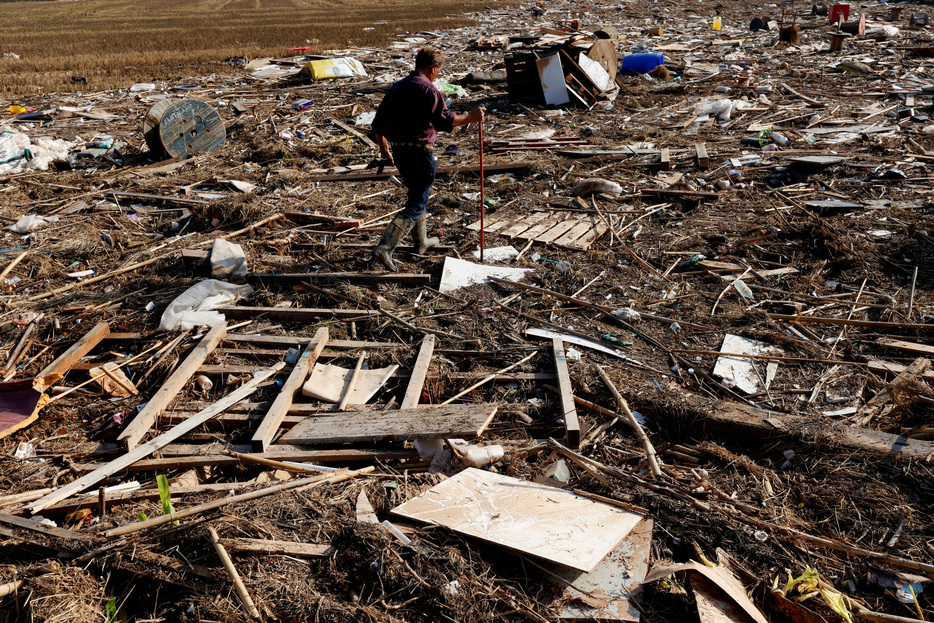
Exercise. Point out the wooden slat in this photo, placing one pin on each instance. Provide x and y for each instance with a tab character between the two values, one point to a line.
911	347
498	222
34	526
583	243
557	231
539	228
144	420
414	279
887	367
76	351
419	372
435	422
270	548
295	314
155	444
568	410
584	225
524	224
280	406
665	161
291	341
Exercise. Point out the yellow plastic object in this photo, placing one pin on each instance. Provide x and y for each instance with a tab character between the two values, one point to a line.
716	23
17	110
329	68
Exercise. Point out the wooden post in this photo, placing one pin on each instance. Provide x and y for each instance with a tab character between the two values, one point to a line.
234	575
703	162
280	406
144	420
568	410
665	159
161	441
413	392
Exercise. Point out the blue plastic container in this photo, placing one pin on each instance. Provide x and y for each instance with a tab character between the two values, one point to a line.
642	63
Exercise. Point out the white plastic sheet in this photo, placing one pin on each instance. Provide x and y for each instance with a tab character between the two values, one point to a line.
194	307
19	152
30	222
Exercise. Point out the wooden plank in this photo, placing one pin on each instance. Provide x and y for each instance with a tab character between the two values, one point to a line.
229	421
280	406
555	232
703	162
489	169
295	314
346	128
34	526
568	410
584	224
887	367
232	368
583	243
911	347
290	341
185	456
413	279
742	421
92	500
498	222
282	548
434	422
76	351
665	161
147	197
524	223
419	372
538	229
145	419
155	444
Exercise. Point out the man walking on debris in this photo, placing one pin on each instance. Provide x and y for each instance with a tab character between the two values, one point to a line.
406	125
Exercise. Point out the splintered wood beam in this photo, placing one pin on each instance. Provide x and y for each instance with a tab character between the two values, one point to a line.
79	349
283	548
280	406
426	422
296	314
153	445
665	162
145	419
703	162
414	279
419	373
739	420
34	526
568	410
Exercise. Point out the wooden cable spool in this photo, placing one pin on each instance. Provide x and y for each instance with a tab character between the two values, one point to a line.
181	128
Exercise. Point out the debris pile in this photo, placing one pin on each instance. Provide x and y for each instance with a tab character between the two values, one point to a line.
690	377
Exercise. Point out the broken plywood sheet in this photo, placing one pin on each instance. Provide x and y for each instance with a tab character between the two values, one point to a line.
742	371
458	274
20	402
533	519
614	581
462	421
722	591
329	383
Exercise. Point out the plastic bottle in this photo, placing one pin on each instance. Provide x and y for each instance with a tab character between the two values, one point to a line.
716	23
204	383
479	457
743	289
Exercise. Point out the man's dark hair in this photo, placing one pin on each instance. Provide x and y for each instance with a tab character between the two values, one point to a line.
428	56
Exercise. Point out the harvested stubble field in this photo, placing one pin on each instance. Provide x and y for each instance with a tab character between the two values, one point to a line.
115	43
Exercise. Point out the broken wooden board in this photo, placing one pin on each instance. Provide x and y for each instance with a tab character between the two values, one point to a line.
429	422
577	231
568	411
739	420
75	352
20	403
412	279
615	581
548	523
911	347
887	367
281	548
880	405
329	383
112	380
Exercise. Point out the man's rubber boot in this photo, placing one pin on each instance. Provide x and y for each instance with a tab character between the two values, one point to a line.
420	235
394	233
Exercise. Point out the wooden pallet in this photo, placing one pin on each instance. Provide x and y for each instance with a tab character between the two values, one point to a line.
576	231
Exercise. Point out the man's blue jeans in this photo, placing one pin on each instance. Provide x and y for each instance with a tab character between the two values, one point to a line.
417	166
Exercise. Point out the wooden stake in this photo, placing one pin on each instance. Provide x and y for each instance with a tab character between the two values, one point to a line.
12	265
487	379
572	425
234	575
640	433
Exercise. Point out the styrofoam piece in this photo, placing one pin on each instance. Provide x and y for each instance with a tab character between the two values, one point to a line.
741	371
458	274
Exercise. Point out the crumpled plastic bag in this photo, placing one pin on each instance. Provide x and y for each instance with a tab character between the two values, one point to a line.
451	90
30	222
594	186
228	261
19	152
195	306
